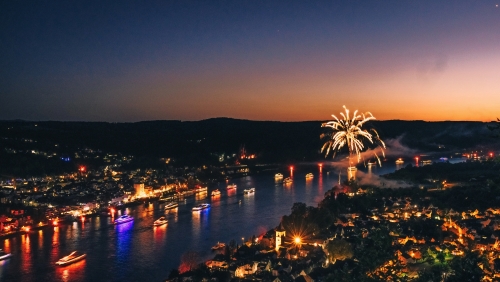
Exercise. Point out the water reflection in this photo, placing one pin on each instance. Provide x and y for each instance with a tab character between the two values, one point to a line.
54	254
160	234
40	238
231	192
26	263
123	246
72	272
195	224
6	246
200	196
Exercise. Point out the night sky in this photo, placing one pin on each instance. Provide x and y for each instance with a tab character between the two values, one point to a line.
260	60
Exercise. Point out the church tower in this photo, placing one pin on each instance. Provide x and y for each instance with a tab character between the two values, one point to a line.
280	236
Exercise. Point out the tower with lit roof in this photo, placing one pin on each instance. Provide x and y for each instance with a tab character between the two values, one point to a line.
280	236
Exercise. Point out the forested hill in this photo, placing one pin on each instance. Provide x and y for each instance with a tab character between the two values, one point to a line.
198	141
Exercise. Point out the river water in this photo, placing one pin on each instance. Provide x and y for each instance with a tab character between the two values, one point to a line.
137	251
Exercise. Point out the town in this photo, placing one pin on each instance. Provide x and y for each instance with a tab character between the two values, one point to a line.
399	238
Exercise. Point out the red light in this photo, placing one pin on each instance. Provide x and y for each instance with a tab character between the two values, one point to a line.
55	223
291	167
320	165
82	218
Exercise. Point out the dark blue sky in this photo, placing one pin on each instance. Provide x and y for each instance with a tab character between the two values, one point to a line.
266	60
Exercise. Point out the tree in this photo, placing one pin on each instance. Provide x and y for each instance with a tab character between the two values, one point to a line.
189	261
441	257
174	273
466	268
339	249
494	127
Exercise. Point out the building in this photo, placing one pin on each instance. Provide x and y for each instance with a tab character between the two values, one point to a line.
280	236
139	189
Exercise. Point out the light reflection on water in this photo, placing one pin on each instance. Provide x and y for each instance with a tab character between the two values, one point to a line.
135	251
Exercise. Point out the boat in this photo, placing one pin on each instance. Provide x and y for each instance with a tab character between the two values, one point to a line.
218	246
399	161
71	258
278	176
201	190
171	205
231	186
216	192
309	175
164	199
287	180
249	191
123	219
201	207
160	221
4	255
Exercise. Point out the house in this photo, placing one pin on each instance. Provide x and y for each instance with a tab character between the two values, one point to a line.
246	269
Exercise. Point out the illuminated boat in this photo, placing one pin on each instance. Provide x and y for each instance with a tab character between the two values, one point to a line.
309	175
231	186
287	180
218	246
163	199
399	161
201	207
216	192
171	205
249	191
123	219
278	176
71	258
201	190
4	255
160	221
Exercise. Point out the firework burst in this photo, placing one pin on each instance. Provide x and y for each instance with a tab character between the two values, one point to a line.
349	132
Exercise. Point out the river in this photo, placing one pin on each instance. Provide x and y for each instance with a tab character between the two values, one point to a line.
137	251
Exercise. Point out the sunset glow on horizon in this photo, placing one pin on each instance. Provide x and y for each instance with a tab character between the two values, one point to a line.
425	60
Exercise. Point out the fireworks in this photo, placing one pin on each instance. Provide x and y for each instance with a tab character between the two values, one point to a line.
349	132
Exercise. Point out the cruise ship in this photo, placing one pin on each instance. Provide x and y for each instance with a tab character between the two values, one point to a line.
4	255
249	191
171	205
231	186
309	175
160	221
201	207
71	258
278	176
216	192
123	219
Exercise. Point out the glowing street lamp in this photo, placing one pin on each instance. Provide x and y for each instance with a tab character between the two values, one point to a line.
297	240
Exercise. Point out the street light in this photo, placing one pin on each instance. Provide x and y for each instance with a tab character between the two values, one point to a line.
297	240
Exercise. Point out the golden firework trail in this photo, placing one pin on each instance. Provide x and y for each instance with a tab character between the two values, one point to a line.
349	132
